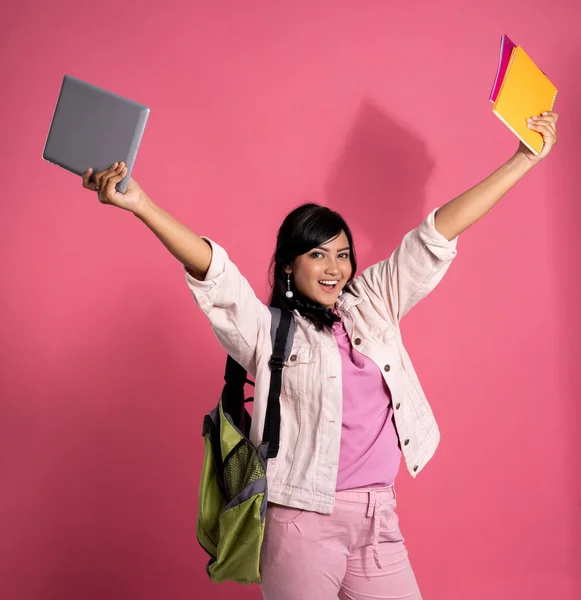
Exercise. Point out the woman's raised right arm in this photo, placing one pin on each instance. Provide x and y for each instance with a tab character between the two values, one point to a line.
187	247
240	321
190	249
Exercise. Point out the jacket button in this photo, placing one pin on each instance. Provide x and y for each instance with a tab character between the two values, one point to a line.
397	406
293	357
357	341
416	468
406	442
386	368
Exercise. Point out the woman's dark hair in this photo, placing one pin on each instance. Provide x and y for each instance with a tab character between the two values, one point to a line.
305	228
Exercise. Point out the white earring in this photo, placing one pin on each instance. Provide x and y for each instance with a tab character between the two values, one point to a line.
288	292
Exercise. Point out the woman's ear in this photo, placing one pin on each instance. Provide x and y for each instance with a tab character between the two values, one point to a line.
288	270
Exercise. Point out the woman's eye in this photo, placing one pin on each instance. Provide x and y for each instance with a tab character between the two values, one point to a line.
317	254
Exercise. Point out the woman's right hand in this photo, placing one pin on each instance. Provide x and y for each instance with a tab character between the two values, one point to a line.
104	182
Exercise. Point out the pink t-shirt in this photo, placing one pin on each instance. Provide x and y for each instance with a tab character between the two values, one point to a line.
370	454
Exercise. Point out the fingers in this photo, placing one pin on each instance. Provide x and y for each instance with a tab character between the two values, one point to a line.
545	127
542	124
113	178
102	176
112	173
97	181
546	122
547	118
87	183
544	130
552	115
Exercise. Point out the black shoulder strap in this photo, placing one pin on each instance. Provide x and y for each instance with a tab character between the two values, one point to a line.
282	333
271	431
275	314
233	392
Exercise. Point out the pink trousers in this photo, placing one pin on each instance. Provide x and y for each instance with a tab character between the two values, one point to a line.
356	553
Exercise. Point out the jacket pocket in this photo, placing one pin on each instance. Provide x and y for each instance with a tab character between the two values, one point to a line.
300	393
298	375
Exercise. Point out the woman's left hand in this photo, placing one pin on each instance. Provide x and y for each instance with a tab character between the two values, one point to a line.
546	125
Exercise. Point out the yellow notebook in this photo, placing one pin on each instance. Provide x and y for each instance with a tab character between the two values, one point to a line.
525	92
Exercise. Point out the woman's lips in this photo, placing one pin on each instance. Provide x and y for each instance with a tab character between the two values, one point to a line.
329	288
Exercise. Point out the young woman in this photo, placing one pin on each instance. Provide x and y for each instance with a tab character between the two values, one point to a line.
351	403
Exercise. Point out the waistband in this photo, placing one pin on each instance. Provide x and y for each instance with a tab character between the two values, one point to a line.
374	497
363	495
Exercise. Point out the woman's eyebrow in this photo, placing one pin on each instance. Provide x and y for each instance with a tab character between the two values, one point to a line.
327	249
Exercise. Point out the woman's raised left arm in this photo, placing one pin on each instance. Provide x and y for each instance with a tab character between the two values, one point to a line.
463	211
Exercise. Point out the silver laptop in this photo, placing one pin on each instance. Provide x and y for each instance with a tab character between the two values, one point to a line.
93	128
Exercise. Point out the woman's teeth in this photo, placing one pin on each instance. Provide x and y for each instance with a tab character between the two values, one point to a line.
329	285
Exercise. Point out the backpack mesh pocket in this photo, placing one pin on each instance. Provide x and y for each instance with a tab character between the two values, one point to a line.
241	468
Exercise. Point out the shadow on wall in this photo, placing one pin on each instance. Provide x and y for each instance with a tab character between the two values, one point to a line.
378	182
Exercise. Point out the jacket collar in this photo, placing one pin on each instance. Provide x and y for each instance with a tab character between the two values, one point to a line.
346	301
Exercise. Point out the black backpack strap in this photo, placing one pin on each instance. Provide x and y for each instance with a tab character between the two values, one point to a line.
233	392
275	320
271	432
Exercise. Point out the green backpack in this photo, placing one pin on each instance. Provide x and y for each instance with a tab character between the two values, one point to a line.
233	493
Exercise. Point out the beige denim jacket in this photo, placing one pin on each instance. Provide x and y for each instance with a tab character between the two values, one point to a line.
304	473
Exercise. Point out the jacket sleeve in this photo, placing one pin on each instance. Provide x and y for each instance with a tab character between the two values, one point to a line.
413	270
238	318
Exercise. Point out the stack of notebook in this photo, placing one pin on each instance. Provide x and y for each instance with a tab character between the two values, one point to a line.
521	90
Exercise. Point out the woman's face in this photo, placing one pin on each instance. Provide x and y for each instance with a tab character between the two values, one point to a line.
330	263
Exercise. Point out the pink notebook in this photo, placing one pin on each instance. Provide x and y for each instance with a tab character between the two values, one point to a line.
506	47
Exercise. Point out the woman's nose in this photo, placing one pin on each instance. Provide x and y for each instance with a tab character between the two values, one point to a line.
332	269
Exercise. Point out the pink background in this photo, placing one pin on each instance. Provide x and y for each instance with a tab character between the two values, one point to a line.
379	110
